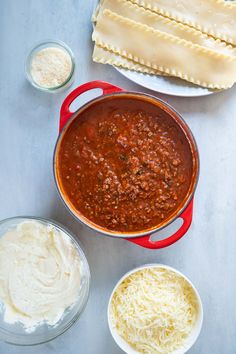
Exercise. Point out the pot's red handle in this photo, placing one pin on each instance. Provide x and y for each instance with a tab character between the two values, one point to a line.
65	113
146	241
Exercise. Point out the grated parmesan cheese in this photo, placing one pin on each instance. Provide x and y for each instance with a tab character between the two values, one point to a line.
51	67
154	310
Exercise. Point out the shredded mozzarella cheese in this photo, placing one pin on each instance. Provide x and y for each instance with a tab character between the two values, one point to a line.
154	310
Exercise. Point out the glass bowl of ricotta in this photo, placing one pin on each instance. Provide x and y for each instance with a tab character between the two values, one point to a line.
44	280
155	309
50	66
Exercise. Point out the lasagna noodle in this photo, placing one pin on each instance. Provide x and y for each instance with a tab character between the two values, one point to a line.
155	49
103	56
214	17
127	9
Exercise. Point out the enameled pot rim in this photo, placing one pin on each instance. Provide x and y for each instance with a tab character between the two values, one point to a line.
192	143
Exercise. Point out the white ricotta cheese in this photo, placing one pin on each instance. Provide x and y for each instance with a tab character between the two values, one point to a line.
39	274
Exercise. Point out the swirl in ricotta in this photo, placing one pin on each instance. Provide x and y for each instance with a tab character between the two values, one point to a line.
40	271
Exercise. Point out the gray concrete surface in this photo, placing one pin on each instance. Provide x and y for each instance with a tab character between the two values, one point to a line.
28	131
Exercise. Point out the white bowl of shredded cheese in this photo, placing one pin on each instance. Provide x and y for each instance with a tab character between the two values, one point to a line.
155	309
50	66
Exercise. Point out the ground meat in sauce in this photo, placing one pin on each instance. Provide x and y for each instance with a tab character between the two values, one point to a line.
125	165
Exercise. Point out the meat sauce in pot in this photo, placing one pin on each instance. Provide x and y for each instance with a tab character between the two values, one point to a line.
125	164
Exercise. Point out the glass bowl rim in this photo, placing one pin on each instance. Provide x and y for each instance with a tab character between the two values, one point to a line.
46	43
32	339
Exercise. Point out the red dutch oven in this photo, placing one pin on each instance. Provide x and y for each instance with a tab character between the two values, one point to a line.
185	211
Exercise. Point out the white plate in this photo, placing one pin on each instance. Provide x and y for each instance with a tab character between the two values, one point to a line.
167	85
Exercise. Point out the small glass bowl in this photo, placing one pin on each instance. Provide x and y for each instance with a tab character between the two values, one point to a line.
50	44
15	333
